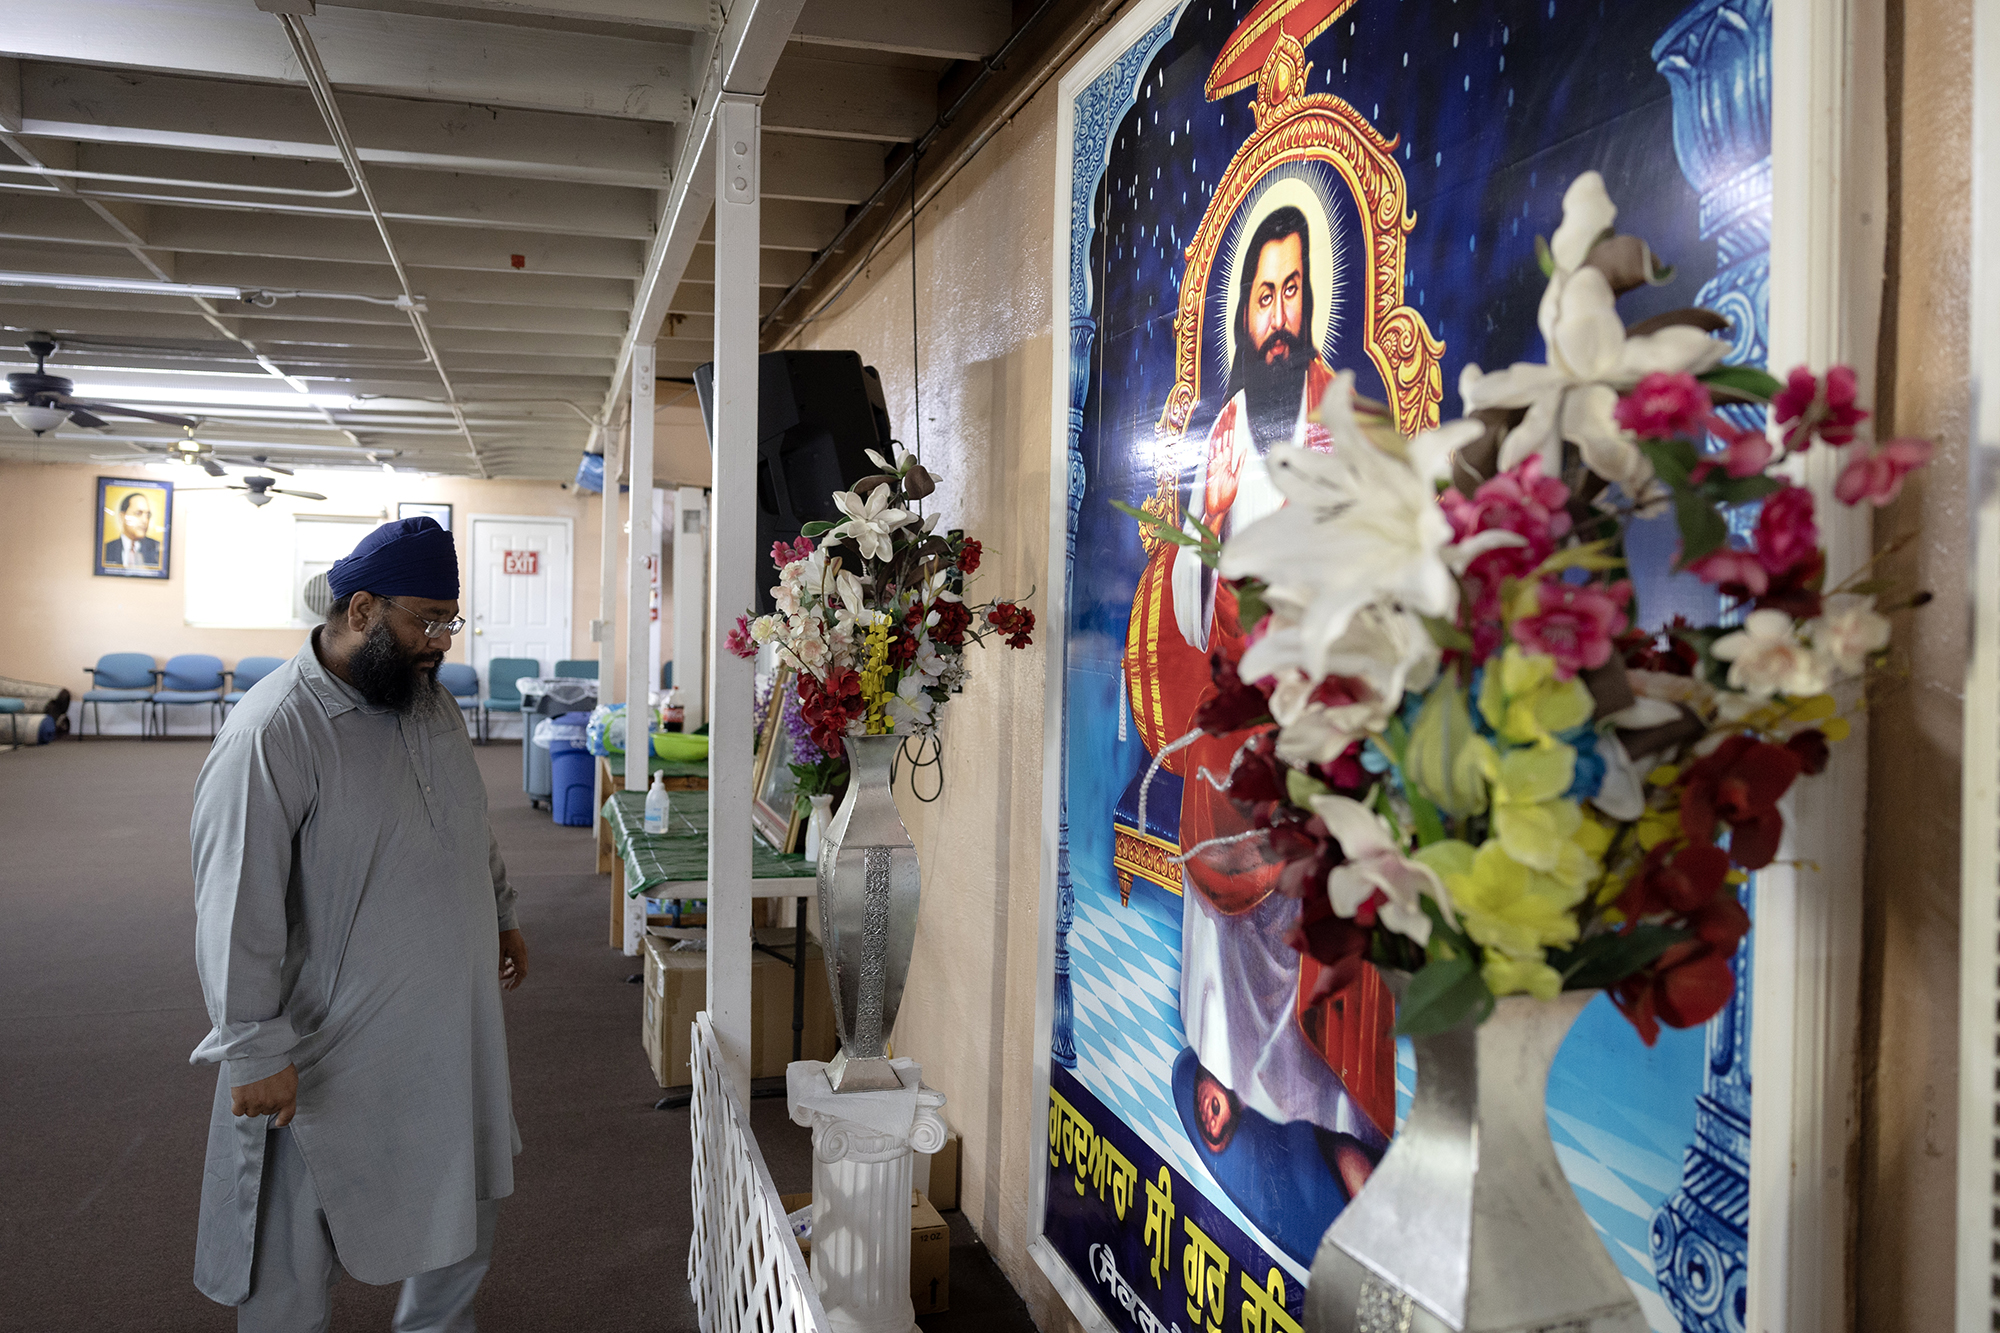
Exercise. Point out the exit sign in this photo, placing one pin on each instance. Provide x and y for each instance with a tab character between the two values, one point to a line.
521	562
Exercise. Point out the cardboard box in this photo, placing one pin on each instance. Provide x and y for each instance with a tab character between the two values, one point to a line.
936	1175
676	988
930	1252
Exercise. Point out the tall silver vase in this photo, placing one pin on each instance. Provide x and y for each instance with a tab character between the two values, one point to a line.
869	885
1468	1224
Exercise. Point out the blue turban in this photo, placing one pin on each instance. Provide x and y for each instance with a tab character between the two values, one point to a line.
411	558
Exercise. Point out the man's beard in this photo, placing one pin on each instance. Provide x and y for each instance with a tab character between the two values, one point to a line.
385	673
1272	389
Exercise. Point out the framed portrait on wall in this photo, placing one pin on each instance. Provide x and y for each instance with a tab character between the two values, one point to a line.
1249	200
425	509
131	533
774	788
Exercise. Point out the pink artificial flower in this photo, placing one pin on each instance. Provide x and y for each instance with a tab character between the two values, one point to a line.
1805	408
1728	567
1574	624
1878	477
784	553
738	640
1663	406
1521	501
1745	453
1786	535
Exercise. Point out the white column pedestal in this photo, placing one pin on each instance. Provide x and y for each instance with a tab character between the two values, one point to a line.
862	1143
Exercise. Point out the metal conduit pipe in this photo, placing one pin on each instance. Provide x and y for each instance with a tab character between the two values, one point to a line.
68	174
336	125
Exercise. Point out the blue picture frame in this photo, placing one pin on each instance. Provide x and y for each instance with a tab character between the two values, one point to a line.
123	546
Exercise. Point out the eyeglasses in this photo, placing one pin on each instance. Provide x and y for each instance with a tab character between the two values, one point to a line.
432	628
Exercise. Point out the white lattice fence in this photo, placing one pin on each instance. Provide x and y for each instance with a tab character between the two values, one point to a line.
744	1268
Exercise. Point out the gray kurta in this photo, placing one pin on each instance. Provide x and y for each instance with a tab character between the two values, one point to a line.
349	900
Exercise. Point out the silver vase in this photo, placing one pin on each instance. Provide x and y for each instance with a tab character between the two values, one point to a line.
1468	1224
869	885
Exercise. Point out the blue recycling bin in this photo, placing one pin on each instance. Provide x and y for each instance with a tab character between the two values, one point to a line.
572	779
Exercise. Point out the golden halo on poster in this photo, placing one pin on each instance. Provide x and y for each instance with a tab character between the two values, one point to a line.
1325	259
1297	126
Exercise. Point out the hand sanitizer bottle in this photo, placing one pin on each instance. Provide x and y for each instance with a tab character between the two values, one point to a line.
656	805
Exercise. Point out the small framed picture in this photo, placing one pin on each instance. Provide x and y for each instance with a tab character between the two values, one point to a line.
422	509
132	535
774	789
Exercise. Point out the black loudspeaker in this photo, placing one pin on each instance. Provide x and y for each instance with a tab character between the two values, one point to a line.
818	413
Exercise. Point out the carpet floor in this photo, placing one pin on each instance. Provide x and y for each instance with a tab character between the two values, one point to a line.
102	1118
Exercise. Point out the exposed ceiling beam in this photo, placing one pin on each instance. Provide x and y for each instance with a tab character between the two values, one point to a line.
405	195
211	115
669	15
792	224
409	55
247	320
822	170
960	30
841	99
775	268
45	218
699	297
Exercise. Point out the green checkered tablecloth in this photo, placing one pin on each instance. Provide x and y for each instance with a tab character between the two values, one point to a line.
680	855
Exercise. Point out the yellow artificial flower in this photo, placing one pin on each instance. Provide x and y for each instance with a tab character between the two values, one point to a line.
1535	823
1511	976
1524	702
1657	826
1503	904
1446	759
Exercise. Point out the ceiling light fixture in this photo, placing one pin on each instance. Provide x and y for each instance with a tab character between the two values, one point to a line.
261	297
37	420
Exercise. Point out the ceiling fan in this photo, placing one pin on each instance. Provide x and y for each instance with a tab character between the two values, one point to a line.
39	402
261	489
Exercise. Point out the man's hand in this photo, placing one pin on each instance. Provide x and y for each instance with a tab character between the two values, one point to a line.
1225	460
276	1096
513	959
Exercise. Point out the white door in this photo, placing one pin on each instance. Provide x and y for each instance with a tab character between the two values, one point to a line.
520	591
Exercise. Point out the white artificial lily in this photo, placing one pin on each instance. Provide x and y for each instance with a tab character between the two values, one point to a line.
1590	359
1383	653
903	459
1359	526
1765	658
871	522
1848	631
910	706
1375	862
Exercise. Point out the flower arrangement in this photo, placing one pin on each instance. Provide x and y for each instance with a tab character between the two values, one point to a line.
1452	741
872	614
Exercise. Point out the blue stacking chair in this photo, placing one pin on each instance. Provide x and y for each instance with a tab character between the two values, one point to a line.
248	672
577	668
190	680
502	695
118	678
463	683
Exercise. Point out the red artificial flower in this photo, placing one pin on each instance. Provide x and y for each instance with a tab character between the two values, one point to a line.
1878	477
1017	623
1720	922
1665	652
1738	574
1805	408
1574	623
1234	705
1675	880
1345	774
902	648
1739	784
1337	943
829	706
968	556
1683	988
1786	535
953	619
1663	406
1811	748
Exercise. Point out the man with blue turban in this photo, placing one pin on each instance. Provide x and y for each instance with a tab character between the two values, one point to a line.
354	930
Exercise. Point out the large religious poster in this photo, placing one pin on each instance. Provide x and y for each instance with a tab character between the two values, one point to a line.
1251	199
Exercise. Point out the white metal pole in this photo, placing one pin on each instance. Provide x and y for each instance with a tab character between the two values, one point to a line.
691	601
639	575
732	580
607	575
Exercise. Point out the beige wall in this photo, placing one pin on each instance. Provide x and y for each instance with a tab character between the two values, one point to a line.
1909	1051
63	618
984	316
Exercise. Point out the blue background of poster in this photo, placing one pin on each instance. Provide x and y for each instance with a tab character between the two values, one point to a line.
1495	107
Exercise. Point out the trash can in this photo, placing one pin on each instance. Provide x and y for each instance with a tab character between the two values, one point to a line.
572	772
535	774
